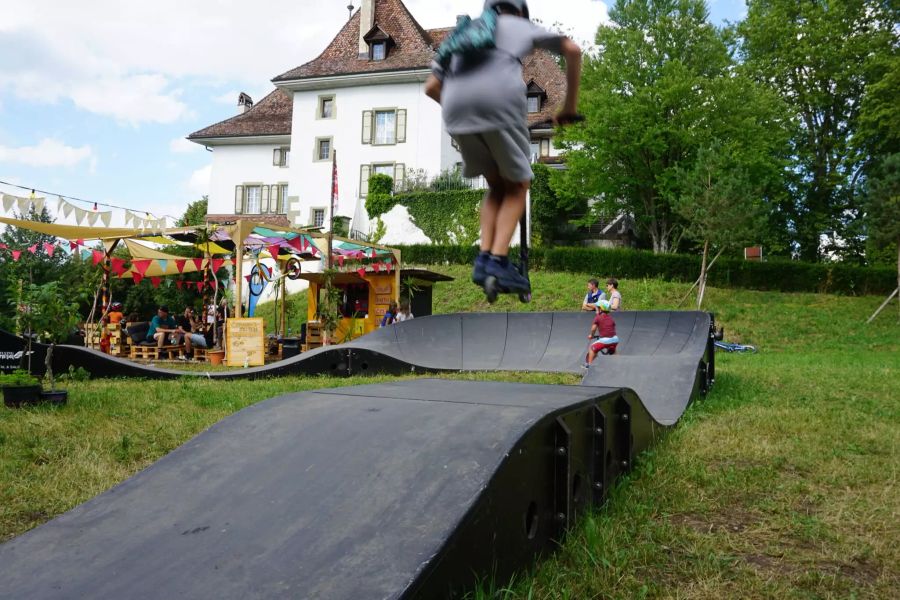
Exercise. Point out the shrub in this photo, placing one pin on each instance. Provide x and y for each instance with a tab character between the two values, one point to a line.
18	378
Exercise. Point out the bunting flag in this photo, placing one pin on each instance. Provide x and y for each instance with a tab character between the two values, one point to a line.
33	248
67	209
141	266
374	255
80	242
85	254
198	263
3	246
59	203
117	265
361	272
179	283
179	264
128	217
247	277
200	286
38	204
73	246
137	277
234	260
16	254
273	250
106	217
340	259
92	218
155	281
217	264
212	284
24	204
79	215
376	267
98	257
8	202
163	263
389	266
296	243
49	249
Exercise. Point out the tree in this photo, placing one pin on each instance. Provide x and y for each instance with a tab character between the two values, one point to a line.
720	205
549	212
663	86
819	56
195	213
883	211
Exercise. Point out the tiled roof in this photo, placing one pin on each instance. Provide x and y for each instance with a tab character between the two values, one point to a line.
269	116
541	66
276	220
414	46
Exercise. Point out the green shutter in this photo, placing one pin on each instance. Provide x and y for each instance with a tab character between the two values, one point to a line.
399	175
401	125
364	171
274	198
367	117
238	199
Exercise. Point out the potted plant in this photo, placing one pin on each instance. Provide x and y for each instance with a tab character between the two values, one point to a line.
20	388
53	318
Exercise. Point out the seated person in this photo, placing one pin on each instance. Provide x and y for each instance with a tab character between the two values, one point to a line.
404	313
193	337
390	315
115	313
161	326
612	292
603	332
593	296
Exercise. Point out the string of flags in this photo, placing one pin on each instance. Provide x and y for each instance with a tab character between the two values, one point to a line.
82	216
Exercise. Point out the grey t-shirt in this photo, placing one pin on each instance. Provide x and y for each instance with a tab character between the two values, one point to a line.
490	95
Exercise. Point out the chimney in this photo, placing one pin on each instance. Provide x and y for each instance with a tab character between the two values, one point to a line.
366	23
245	103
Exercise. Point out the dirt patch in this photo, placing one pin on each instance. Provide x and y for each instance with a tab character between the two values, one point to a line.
862	573
735	520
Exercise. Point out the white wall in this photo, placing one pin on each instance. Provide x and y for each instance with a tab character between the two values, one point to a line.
239	164
311	181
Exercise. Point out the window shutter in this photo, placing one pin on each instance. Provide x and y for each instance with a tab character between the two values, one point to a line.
399	175
364	171
545	147
238	199
264	200
367	116
282	199
275	199
276	158
401	125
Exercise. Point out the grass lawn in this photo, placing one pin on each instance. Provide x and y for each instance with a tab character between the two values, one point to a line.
782	483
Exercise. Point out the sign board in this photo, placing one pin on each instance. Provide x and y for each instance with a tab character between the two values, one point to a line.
245	342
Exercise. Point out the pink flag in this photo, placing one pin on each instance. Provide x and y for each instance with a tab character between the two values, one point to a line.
117	265
217	264
137	277
376	267
374	255
33	248
73	246
234	260
98	256
179	264
199	286
141	266
212	284
389	266
16	254
296	243
49	249
198	263
179	283
247	277
79	242
3	246
361	271
273	250
340	259
156	281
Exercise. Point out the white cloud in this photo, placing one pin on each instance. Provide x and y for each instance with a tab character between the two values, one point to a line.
198	184
48	152
183	146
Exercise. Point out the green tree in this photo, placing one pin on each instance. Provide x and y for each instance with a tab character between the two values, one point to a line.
662	86
883	209
819	56
549	212
720	205
195	213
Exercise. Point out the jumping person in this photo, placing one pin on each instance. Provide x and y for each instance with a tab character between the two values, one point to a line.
603	332
484	108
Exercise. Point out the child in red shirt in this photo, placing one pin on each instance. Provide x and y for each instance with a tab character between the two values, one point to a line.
603	332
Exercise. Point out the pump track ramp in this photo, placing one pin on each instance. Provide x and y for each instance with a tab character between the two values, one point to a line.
413	489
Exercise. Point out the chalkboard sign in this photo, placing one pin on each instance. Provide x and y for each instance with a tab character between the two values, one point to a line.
245	342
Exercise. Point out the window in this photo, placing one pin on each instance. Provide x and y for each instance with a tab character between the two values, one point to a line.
396	171
317	218
281	157
535	151
387	169
282	198
384	126
545	147
326	107
323	149
253	200
379	50
534	104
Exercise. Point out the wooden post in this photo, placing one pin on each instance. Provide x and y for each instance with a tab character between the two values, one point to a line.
238	270
283	302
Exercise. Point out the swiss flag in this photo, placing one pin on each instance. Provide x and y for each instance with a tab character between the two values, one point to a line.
155	281
97	256
179	264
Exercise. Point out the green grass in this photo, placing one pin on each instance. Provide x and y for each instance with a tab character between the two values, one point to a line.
782	483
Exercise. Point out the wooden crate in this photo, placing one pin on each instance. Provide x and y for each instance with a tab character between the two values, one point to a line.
155	352
313	336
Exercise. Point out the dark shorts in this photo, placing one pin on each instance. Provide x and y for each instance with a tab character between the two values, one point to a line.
506	151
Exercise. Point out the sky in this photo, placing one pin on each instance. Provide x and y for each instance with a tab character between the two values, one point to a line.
97	96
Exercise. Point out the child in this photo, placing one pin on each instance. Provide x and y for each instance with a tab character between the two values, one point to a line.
404	313
391	315
605	327
485	110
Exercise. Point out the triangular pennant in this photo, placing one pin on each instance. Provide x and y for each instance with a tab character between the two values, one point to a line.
80	242
80	215
247	277
198	263
73	246
106	217
16	254
273	250
128	217
376	267
3	246
179	283
59	203
296	243
117	265
389	266
24	204
7	202
361	271
141	266
98	256
137	277
217	264
66	209
179	264
33	248
38	204
85	254
374	255
155	281
212	284
92	218
340	259
200	286
234	260
49	249
163	263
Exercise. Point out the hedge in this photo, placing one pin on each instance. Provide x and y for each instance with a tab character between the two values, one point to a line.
772	275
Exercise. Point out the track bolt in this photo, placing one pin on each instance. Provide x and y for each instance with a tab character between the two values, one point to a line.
561	451
625	417
598	485
598	431
624	464
560	517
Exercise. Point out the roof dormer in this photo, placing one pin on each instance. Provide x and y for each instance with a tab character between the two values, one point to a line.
536	97
379	43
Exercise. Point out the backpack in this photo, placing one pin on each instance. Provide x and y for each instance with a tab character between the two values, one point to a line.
469	39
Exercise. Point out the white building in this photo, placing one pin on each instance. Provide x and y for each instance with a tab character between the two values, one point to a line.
362	97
